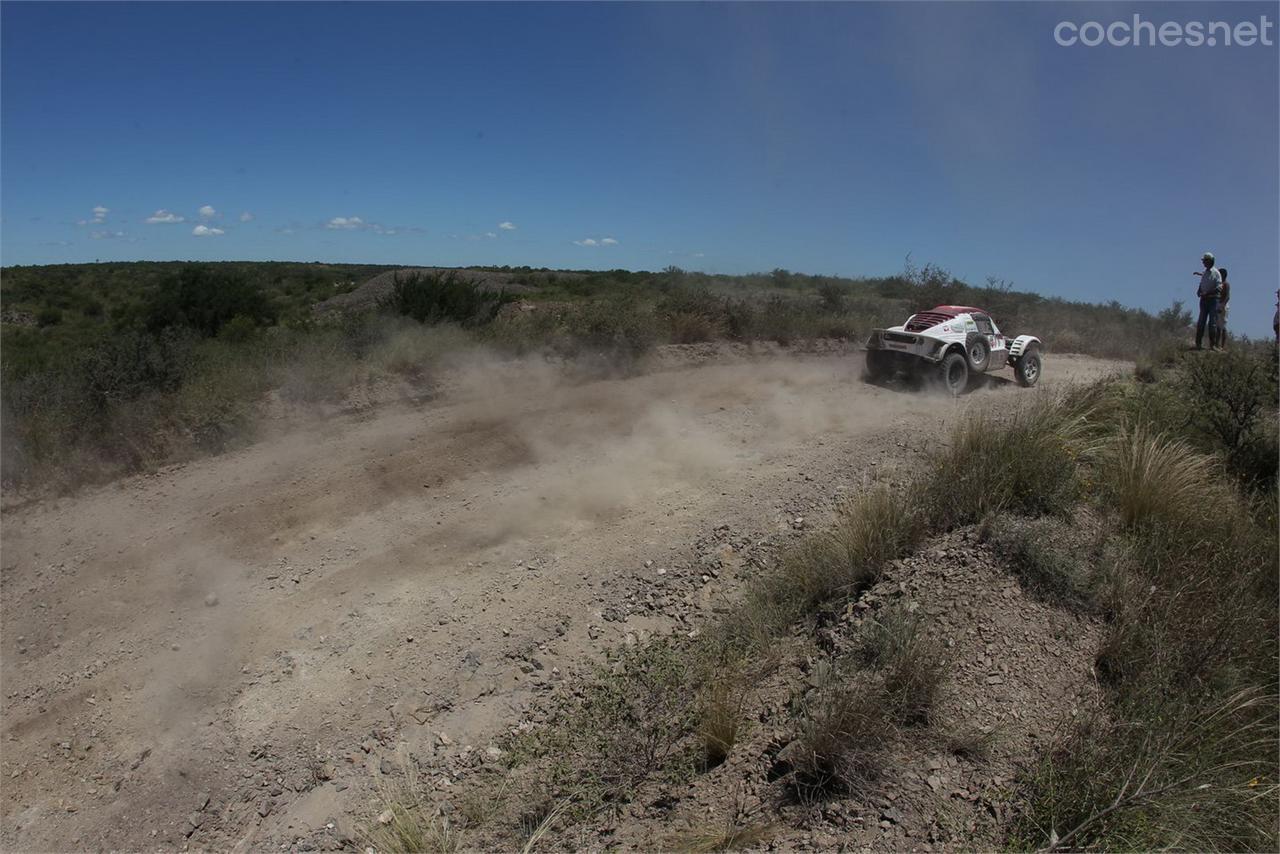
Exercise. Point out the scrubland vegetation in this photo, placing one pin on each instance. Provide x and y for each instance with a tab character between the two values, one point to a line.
1129	501
116	368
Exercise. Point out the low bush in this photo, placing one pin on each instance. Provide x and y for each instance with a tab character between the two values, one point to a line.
1231	405
444	298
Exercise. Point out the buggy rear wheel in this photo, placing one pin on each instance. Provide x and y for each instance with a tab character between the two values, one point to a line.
954	373
878	366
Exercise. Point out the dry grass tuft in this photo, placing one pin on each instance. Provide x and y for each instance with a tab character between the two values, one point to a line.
405	823
719	719
911	664
842	739
1157	479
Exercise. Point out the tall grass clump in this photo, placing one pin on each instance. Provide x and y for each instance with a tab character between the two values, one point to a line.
1200	777
1184	755
406	824
1155	479
1023	463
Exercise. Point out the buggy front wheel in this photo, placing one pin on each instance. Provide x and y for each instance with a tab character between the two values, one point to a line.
1026	369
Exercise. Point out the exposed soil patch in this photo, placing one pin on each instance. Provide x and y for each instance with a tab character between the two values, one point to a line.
236	650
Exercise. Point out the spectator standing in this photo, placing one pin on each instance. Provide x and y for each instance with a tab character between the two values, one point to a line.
1209	291
1223	305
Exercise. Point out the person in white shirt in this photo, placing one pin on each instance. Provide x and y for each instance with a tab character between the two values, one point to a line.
1209	292
1224	305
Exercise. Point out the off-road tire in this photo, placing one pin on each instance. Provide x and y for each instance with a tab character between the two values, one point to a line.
978	351
953	373
1026	369
878	366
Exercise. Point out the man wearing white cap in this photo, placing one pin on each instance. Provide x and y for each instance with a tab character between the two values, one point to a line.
1209	292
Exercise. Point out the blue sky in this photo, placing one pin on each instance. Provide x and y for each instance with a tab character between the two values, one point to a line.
822	138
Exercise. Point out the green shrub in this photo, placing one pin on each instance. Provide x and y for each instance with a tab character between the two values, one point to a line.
205	298
614	336
1232	408
444	297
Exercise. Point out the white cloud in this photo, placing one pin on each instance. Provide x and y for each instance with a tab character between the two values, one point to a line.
608	241
206	231
507	226
164	216
345	222
99	216
207	212
587	242
105	235
490	234
246	217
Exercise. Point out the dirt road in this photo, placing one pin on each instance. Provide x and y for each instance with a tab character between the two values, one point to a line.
227	652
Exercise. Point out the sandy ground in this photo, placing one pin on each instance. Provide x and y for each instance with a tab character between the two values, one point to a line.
227	652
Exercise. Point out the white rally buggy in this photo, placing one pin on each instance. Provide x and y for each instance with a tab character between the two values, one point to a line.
955	344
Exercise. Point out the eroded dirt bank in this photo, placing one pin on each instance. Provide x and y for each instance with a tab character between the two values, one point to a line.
223	653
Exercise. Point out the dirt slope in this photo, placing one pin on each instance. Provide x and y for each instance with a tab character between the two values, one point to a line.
227	652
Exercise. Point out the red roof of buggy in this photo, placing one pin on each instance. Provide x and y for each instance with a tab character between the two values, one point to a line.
953	310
